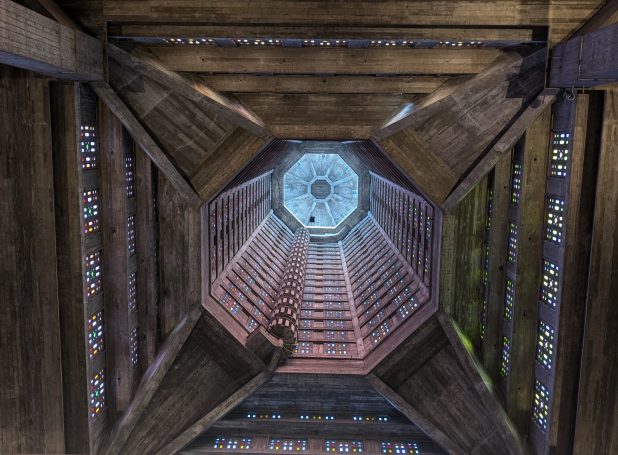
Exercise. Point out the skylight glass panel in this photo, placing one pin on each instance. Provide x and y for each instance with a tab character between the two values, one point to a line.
320	190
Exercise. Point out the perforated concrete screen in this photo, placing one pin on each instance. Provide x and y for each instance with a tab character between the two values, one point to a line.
320	190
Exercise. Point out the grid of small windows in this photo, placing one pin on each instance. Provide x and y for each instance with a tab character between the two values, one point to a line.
129	170
324	43
400	447
232	443
554	219
516	183
343	446
409	307
540	411
550	283
371	418
304	347
206	41
257	42
97	393
391	43
90	208
287	445
133	292
545	344
509	299
95	334
559	164
512	252
93	272
460	43
133	345
505	360
251	324
336	348
316	417
131	234
88	146
381	332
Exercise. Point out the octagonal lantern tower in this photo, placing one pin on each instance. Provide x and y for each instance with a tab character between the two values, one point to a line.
320	190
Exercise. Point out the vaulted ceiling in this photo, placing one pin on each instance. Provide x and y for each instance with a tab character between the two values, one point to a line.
441	91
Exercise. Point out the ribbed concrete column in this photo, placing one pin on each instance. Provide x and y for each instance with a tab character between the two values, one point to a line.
284	320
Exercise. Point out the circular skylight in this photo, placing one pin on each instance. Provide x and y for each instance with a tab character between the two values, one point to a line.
320	190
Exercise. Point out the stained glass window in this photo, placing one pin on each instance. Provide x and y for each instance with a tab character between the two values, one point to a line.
287	445
516	183
90	207
232	443
129	168
336	348
545	344
400	447
88	146
509	299
95	334
550	283
540	411
512	253
559	164
93	273
343	446
305	347
554	219
133	344
131	235
133	292
505	361
97	393
251	324
381	332
409	307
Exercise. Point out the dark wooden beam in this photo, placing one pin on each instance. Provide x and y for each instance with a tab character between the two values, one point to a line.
502	146
58	13
210	367
148	144
587	60
561	15
275	60
34	42
469	364
414	415
229	158
434	373
223	408
146	226
65	123
180	266
497	244
462	252
606	15
439	143
31	396
150	382
316	31
249	83
528	271
114	212
191	88
323	116
596	429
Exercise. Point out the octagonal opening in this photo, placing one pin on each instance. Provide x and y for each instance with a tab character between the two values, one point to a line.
320	190
369	278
